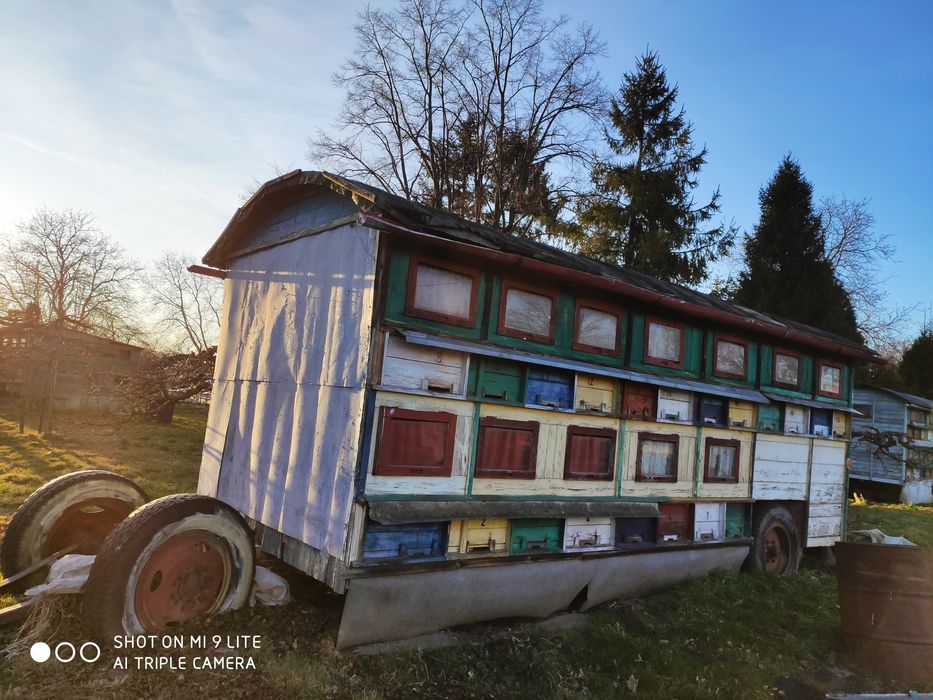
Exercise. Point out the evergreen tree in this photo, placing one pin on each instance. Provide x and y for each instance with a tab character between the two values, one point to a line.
787	273
916	367
641	214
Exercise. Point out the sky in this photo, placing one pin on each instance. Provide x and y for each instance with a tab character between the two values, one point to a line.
158	116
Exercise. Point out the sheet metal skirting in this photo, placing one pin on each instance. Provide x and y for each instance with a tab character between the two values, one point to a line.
386	606
423	511
429	340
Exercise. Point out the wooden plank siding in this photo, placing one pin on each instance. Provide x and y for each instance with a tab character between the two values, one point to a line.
781	465
409	366
549	469
487	388
455	484
740	489
827	493
888	412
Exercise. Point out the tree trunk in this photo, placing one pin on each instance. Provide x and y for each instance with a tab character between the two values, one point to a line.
165	412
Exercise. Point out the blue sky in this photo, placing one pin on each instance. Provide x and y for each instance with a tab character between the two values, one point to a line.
157	116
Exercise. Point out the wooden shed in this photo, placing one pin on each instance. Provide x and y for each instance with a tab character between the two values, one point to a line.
906	462
78	370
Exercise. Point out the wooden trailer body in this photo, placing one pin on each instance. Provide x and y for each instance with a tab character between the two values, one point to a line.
451	425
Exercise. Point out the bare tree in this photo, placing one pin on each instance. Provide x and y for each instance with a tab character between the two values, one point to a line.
166	379
185	307
70	273
855	249
471	106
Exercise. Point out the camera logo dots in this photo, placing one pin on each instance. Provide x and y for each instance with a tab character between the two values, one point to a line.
65	652
40	652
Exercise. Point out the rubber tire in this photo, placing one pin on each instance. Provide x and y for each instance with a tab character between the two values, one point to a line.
761	523
29	528
109	597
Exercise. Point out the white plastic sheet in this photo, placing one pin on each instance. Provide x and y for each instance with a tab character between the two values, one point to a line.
66	576
876	536
69	574
270	588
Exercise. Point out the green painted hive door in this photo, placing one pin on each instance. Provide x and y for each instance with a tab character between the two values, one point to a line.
535	535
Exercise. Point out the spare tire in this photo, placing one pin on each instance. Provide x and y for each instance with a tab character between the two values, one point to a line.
174	559
776	546
76	510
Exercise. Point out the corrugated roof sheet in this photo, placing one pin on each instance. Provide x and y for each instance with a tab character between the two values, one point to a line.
917	401
294	186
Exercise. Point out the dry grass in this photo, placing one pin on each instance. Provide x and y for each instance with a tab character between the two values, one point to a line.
162	459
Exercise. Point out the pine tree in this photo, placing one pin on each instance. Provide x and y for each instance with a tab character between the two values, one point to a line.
641	213
916	369
787	273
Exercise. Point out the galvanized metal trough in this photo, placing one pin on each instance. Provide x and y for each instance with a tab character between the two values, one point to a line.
886	604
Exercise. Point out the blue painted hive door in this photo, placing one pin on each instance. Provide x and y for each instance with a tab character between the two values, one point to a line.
411	541
546	387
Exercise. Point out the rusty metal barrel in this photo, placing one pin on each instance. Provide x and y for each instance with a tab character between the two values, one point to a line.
886	605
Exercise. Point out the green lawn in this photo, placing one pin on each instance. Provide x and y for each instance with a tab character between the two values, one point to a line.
913	522
726	636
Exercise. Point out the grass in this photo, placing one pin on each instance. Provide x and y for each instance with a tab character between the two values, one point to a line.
910	521
162	459
725	636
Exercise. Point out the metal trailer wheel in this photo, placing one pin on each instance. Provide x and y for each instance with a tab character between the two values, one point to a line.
776	547
76	510
174	559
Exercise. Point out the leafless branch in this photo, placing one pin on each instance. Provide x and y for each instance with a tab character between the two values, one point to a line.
76	277
470	106
185	307
857	250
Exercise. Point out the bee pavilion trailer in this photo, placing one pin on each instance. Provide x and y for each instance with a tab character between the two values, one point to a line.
450	424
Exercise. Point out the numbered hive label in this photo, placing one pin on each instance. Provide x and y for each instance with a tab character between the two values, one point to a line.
479	536
596	394
709	522
409	366
675	405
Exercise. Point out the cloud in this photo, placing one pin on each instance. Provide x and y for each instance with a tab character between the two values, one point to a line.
157	115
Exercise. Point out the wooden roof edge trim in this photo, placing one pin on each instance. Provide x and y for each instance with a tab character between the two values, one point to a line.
632	292
207	271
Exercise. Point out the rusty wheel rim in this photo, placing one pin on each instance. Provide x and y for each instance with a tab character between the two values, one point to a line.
85	525
186	576
776	549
